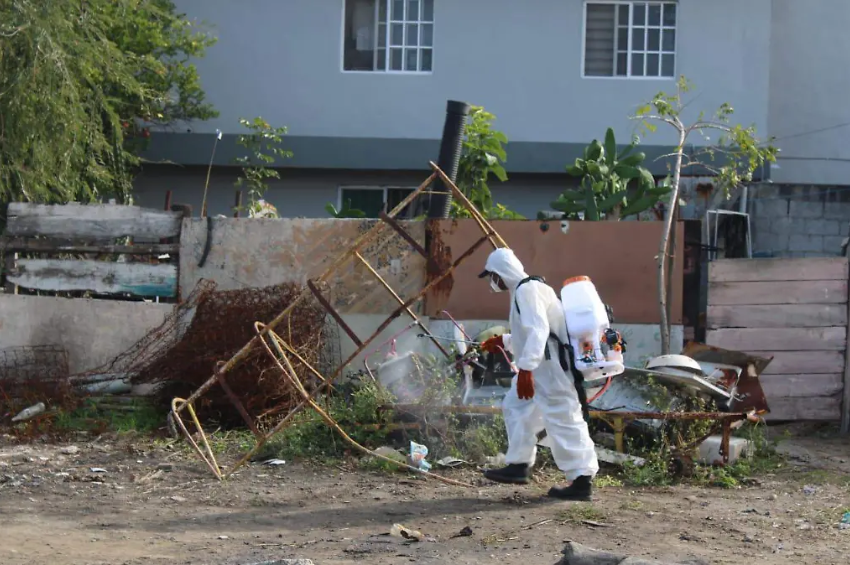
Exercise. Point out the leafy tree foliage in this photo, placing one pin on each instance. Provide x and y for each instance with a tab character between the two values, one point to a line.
81	83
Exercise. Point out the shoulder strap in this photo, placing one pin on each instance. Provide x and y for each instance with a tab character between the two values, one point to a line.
522	282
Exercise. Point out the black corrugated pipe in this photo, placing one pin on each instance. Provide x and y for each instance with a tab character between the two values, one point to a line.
450	149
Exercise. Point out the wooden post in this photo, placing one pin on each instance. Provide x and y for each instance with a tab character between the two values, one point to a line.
845	402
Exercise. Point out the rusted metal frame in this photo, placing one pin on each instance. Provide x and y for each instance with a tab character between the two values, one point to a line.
599	414
361	240
403	233
328	382
332	311
240	355
724	441
222	380
294	353
398	299
181	404
422	293
482	221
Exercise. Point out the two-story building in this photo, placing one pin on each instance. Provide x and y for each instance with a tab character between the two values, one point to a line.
362	86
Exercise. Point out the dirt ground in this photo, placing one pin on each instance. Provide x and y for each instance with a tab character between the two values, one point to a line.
133	501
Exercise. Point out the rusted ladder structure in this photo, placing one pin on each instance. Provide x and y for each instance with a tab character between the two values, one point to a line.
282	351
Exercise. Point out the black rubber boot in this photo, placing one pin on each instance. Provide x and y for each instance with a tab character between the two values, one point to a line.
581	489
514	474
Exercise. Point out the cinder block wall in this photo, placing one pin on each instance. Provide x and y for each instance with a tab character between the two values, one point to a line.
798	220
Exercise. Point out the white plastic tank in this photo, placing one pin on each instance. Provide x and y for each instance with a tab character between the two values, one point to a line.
587	320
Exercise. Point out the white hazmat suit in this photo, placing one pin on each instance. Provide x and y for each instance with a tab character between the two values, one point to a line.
555	406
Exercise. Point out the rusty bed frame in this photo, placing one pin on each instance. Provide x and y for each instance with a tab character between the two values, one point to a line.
313	290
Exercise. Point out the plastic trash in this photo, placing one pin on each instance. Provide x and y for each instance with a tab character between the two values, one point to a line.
418	453
845	522
403	532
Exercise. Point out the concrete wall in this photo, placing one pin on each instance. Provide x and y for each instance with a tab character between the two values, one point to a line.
92	331
247	253
808	110
521	60
799	220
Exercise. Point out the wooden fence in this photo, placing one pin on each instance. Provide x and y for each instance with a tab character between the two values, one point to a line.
89	234
795	310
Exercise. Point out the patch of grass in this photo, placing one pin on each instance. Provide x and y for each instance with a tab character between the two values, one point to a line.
821	477
581	512
602	481
138	416
633	505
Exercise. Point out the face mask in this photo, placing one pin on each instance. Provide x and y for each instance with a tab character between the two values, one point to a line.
494	285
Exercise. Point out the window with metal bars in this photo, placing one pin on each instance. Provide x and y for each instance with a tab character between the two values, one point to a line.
630	39
392	36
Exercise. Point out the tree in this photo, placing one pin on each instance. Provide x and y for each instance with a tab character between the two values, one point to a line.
482	157
263	147
81	83
613	185
739	148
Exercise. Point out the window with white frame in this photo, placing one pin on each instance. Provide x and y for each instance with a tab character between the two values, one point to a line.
630	39
371	200
389	36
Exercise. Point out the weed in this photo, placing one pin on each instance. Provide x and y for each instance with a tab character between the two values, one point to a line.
602	481
581	512
139	416
633	505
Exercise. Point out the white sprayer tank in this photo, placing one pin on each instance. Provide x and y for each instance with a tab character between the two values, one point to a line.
587	320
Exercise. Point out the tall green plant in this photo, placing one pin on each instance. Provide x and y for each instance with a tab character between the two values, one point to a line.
741	151
482	157
613	185
80	85
263	149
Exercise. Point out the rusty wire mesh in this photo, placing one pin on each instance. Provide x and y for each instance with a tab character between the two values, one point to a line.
33	374
210	326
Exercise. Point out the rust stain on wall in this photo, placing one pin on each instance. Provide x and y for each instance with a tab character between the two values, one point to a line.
257	253
439	260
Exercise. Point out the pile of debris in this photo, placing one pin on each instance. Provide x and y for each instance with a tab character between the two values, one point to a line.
210	326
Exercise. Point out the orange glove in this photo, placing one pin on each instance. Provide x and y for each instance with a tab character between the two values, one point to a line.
525	385
493	344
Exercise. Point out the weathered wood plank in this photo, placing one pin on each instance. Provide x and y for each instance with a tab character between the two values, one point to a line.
816	409
801	386
779	339
140	279
763	293
802	362
766	270
777	316
92	221
56	246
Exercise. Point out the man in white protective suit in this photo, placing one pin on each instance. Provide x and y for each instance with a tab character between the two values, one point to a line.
543	394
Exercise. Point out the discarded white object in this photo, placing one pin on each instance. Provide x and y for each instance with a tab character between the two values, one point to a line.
681	370
403	532
418	452
30	412
616	458
709	450
275	462
393	375
451	462
97	470
587	319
